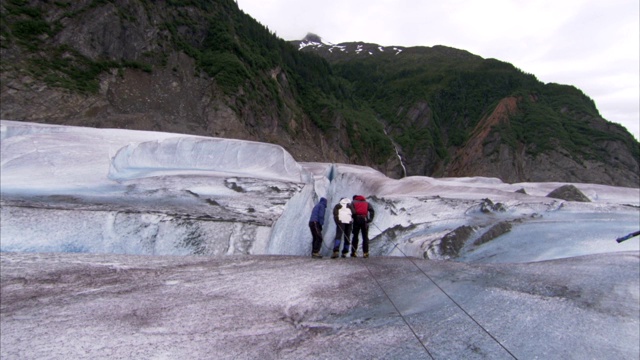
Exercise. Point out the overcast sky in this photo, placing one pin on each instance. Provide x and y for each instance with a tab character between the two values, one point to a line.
591	44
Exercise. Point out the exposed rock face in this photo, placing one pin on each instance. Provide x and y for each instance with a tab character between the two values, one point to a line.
452	243
421	160
487	206
496	230
569	193
486	154
169	99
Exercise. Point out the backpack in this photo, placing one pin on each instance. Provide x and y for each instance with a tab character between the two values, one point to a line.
361	205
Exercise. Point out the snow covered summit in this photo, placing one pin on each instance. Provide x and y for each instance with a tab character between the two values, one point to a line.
313	41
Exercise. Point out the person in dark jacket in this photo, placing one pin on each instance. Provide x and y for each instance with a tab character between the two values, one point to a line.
364	215
315	224
343	214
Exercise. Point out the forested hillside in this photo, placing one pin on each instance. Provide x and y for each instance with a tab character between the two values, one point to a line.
456	114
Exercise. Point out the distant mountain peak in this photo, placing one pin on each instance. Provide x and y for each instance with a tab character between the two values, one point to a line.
314	42
311	37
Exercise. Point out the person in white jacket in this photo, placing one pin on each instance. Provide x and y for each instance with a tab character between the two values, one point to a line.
343	214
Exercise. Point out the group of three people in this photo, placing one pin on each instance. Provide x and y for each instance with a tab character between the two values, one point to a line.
349	216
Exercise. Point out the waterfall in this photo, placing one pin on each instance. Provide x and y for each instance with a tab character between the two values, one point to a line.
395	147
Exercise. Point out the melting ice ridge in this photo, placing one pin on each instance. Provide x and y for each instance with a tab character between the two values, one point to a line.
73	189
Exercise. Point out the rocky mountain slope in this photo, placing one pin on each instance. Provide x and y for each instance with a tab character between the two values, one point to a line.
194	67
204	67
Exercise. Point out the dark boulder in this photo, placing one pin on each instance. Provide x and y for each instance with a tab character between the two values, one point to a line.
569	193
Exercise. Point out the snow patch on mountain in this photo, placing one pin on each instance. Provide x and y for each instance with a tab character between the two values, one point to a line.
357	48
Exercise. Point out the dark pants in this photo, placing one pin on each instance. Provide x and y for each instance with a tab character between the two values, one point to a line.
343	232
360	225
316	233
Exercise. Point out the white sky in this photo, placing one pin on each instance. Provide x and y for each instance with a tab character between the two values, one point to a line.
591	44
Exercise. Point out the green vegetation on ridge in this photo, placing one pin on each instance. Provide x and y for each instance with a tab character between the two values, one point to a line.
432	98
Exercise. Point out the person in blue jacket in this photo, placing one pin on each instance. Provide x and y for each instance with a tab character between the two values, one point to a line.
315	224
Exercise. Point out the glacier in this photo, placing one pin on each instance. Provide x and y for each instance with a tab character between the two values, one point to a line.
98	225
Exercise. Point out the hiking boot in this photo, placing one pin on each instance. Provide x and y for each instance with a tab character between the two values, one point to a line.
344	255
335	255
354	255
365	255
316	256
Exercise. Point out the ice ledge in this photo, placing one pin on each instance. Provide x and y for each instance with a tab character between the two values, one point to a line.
182	155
